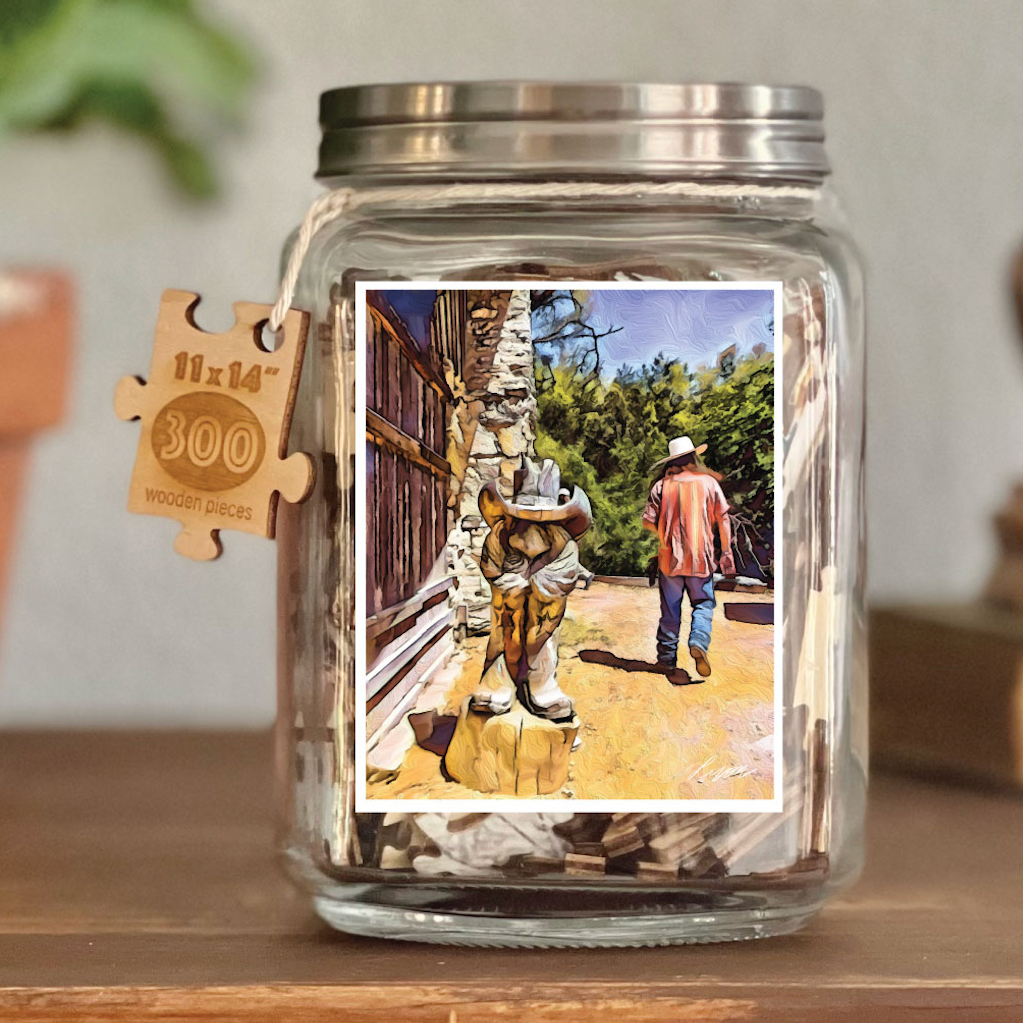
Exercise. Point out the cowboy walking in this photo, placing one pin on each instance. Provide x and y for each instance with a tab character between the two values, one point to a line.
685	505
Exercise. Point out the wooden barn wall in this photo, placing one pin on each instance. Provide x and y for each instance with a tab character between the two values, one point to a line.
408	402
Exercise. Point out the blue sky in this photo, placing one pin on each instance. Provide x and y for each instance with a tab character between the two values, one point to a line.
691	326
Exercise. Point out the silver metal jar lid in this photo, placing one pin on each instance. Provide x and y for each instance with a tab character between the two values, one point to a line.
529	130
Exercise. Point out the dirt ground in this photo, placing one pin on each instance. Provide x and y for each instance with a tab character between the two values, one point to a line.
644	735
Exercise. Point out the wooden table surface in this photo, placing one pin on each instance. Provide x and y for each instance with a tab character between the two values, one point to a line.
137	881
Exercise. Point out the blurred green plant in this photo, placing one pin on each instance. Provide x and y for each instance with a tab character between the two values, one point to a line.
157	69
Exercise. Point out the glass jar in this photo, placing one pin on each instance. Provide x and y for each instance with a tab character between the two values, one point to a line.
483	194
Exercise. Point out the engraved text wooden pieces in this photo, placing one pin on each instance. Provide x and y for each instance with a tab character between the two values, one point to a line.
216	411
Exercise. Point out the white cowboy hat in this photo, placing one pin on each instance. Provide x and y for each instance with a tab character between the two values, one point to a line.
574	514
677	448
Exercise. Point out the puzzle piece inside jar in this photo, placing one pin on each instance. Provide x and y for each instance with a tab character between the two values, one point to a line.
466	844
635	269
216	411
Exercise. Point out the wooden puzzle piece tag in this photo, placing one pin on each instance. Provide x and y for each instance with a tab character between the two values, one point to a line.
216	412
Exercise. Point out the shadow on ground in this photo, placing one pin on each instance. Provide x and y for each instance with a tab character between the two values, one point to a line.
749	613
676	676
433	731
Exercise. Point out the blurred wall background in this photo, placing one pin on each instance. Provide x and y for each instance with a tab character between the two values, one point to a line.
106	624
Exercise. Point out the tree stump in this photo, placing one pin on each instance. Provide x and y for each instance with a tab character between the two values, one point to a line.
512	754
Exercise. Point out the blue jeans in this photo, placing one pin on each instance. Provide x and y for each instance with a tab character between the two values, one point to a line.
701	597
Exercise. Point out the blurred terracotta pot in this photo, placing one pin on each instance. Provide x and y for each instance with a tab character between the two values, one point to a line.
36	316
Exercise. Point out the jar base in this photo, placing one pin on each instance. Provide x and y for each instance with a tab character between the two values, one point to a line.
376	920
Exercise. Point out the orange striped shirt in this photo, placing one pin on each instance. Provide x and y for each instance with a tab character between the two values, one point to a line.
685	508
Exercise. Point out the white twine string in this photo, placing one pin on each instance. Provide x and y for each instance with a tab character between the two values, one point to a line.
332	205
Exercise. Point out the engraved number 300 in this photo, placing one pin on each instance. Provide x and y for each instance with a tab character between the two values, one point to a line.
205	441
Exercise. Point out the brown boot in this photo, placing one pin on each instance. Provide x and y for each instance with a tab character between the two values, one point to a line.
700	658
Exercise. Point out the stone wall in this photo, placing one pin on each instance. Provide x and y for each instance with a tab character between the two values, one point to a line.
492	428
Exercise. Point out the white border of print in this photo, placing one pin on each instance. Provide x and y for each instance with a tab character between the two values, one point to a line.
512	804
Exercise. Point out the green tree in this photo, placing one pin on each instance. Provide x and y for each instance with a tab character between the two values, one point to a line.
607	435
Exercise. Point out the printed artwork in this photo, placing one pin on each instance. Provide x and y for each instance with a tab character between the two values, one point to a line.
568	547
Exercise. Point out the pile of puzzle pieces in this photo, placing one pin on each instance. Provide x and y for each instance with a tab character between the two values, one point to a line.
649	846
